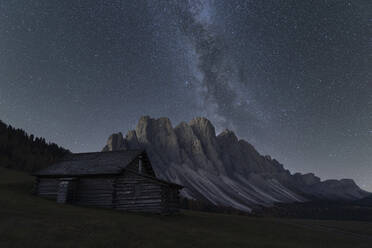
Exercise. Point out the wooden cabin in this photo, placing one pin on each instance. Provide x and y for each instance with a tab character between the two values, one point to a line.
122	180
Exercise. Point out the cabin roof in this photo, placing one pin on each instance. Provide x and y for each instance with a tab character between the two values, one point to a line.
92	163
96	163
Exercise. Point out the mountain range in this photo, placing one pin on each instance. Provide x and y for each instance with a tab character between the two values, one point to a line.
223	170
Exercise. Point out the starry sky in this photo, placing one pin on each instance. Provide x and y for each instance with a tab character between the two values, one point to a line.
291	77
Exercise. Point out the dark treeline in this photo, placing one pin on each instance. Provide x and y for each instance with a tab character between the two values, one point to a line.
21	151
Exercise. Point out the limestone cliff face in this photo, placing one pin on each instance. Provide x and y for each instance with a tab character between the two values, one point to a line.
115	142
222	169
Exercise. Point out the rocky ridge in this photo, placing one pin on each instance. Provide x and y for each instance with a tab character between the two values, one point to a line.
222	169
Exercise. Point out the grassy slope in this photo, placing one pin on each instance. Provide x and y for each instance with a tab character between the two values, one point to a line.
28	221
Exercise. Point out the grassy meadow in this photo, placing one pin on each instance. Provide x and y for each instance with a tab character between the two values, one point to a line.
29	221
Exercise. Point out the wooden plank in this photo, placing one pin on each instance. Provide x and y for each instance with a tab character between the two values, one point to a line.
47	188
95	192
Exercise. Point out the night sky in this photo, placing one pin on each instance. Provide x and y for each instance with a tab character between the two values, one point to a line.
291	77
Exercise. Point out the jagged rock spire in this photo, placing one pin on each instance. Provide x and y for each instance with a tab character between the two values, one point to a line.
222	169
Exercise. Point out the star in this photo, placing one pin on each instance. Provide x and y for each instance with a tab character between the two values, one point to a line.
294	83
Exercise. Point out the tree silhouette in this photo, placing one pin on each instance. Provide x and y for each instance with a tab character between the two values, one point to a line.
21	151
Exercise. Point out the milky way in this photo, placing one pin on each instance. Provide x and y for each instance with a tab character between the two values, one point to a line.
291	77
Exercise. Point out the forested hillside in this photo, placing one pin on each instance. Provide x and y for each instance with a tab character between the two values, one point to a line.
21	151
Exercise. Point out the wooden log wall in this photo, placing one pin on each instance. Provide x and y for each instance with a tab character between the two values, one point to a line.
138	194
128	191
95	191
170	199
47	188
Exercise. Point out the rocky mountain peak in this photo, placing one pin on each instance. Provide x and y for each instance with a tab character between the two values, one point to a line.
306	179
348	181
227	136
148	128
202	126
114	142
223	170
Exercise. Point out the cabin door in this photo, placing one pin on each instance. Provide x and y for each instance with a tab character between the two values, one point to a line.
66	190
